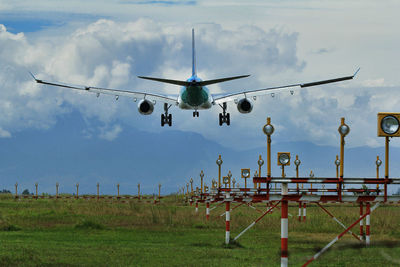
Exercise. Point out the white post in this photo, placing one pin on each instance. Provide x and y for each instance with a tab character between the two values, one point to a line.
227	218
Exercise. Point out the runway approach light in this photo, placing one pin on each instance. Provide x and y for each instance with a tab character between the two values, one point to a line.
388	124
378	162
283	158
268	129
344	129
297	162
226	180
245	173
337	163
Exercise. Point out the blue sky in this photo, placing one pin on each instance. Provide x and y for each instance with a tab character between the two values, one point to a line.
108	43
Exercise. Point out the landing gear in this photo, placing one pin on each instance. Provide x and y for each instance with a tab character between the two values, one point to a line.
224	117
195	114
166	118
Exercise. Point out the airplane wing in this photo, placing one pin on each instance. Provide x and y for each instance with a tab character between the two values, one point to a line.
219	99
169	99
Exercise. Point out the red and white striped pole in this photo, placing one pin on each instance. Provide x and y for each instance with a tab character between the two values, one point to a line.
299	211
197	207
304	211
284	227
227	220
367	227
207	211
361	222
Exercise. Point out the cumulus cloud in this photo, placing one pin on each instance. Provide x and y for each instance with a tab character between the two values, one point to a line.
110	133
111	54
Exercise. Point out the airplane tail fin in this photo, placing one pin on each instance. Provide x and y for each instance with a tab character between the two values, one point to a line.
193	55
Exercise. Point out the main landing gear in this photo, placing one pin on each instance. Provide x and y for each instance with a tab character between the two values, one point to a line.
166	118
224	117
195	114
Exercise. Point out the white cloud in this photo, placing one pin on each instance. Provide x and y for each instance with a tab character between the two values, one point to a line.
111	54
380	82
110	133
4	133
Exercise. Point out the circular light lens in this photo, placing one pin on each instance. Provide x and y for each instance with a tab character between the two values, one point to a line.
390	124
344	129
268	129
226	180
245	173
378	162
297	162
261	162
337	162
219	162
284	159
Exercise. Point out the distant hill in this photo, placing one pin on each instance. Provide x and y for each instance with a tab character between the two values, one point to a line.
63	154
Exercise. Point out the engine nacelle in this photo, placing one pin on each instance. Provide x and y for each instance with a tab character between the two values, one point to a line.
244	105
145	107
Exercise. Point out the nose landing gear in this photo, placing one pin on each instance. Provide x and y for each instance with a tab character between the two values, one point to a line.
195	114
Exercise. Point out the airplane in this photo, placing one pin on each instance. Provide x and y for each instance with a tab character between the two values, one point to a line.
194	95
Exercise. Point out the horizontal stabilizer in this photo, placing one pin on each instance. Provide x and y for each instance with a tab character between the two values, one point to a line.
204	83
176	82
186	83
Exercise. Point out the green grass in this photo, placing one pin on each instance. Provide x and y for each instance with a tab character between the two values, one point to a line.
91	233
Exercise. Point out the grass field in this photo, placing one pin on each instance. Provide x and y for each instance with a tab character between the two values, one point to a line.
91	233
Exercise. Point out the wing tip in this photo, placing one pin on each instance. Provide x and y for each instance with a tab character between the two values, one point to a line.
355	73
33	76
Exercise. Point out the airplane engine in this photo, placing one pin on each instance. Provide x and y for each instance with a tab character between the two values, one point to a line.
145	107
244	106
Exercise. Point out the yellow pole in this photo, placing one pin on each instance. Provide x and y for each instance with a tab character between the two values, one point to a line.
219	171
377	173
297	173
268	151
201	177
387	157
386	167
341	152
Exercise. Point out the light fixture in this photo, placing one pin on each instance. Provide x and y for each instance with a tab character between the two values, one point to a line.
378	162
268	129
344	129
245	173
337	162
284	158
225	180
297	162
390	125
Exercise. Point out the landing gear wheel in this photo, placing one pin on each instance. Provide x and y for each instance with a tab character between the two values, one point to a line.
166	118
195	114
224	117
162	120
170	120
